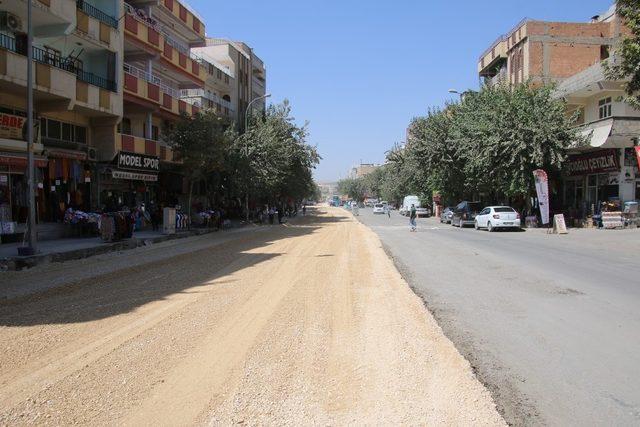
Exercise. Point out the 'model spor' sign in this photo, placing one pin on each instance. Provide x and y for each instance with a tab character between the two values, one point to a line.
139	162
596	162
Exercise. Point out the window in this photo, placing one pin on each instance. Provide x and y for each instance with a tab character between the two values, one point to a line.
604	107
604	52
67	132
125	126
154	133
504	209
81	134
226	78
53	129
219	74
485	211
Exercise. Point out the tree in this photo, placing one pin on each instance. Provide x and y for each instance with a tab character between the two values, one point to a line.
625	64
353	188
502	134
201	142
274	161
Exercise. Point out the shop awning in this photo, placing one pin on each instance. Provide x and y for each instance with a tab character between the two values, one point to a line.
18	161
598	136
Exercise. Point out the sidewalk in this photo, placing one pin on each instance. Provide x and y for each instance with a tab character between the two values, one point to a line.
61	250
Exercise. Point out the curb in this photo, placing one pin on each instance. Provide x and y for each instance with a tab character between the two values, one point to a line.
24	262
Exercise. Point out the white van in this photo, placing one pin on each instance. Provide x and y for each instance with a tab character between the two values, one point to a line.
413	200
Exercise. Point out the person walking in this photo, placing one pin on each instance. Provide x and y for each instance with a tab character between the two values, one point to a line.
412	218
304	210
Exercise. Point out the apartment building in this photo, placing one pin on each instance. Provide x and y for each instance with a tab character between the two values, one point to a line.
602	166
158	64
546	52
247	68
218	89
77	100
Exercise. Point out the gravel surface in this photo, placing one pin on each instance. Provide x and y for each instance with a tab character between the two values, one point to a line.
308	323
550	323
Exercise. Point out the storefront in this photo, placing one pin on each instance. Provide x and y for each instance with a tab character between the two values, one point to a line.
591	178
130	180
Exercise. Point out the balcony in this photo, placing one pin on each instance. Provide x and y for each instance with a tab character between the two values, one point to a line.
145	31
96	13
153	93
50	18
136	144
190	25
149	35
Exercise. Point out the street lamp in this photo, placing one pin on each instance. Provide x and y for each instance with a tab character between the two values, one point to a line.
461	94
246	112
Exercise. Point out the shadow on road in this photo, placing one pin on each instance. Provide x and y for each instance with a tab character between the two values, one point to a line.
125	290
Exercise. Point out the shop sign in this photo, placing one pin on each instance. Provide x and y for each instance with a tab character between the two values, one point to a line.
542	189
596	162
637	148
11	126
139	162
20	161
134	176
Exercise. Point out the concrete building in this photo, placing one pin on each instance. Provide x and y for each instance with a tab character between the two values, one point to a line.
363	169
247	68
77	52
603	165
158	65
546	52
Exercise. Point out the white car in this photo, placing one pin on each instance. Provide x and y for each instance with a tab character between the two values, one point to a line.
378	208
494	217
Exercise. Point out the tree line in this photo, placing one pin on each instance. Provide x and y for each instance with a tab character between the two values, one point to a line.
270	163
484	147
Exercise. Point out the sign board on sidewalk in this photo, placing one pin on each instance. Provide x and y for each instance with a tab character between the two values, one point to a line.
542	188
559	226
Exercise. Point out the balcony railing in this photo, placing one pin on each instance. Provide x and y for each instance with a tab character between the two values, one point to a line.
152	78
197	93
503	37
55	60
101	16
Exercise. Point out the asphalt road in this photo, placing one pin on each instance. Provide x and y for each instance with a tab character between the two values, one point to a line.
550	323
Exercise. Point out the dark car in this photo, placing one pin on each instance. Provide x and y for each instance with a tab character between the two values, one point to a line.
447	213
465	213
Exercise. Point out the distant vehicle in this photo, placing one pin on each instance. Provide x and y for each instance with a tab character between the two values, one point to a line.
415	201
370	202
379	208
335	201
385	204
465	214
494	217
445	216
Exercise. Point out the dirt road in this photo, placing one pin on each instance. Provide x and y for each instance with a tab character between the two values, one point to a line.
305	323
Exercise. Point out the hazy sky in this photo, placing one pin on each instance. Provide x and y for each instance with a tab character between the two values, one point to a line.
358	71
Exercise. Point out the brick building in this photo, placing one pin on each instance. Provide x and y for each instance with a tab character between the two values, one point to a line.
546	52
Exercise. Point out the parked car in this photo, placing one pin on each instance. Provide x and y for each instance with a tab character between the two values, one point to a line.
415	201
378	208
494	217
465	214
445	216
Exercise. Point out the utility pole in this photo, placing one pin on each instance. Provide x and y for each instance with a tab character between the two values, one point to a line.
31	175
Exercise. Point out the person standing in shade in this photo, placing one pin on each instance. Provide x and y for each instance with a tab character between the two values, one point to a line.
412	218
304	210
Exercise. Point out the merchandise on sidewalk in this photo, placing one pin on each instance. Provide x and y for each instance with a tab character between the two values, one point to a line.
116	226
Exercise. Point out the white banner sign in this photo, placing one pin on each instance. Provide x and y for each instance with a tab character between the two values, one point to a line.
542	188
134	176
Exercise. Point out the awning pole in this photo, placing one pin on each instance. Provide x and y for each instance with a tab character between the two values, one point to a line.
31	175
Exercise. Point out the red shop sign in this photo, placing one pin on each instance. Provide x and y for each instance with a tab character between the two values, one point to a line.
601	161
21	162
638	155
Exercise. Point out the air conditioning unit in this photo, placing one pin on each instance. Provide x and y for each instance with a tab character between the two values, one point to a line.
10	22
92	154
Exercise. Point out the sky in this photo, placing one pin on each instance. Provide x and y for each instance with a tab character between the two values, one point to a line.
359	71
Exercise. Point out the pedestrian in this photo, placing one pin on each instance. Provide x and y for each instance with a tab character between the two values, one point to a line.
412	218
388	211
304	210
272	213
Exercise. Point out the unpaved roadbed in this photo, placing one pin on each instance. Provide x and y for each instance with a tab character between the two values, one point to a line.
308	323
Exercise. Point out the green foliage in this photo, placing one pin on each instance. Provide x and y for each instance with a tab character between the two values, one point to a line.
353	188
626	62
271	162
489	144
